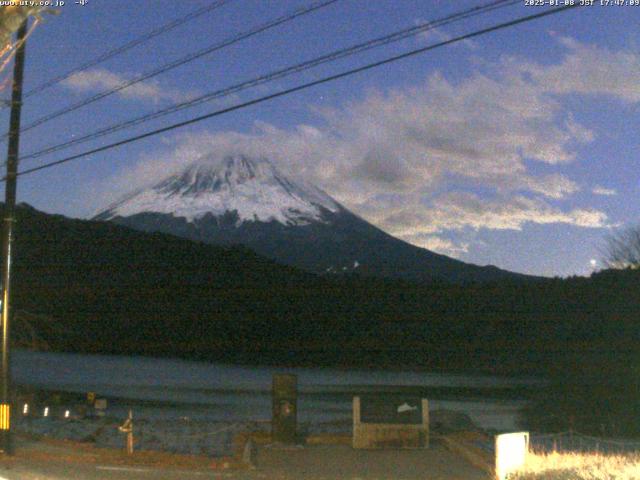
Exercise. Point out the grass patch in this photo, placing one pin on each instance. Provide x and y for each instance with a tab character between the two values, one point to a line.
579	466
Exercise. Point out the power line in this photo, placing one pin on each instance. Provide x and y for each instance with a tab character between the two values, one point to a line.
278	74
127	46
181	61
298	88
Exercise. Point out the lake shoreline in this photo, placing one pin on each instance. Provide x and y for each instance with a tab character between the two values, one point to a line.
319	360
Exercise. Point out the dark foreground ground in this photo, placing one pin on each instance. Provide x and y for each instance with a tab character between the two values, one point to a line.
343	462
53	461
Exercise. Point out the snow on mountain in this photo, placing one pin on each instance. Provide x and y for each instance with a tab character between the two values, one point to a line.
239	200
253	188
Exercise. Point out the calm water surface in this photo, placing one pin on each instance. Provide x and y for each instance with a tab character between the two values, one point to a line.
169	388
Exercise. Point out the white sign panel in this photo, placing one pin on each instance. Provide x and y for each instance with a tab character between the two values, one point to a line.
511	453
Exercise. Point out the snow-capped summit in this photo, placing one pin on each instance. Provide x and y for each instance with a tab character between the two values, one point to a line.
252	188
235	200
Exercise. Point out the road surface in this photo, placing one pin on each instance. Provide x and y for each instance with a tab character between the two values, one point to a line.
284	463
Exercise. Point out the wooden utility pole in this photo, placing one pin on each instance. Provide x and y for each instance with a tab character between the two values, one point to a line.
6	444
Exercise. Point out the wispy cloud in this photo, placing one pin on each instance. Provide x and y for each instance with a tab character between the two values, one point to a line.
604	191
439	244
460	210
590	70
442	156
436	35
100	79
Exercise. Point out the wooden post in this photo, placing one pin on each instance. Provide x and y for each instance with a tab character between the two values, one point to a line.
127	427
425	422
130	434
284	408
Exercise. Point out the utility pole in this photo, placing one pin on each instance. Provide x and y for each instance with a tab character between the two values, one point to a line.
6	445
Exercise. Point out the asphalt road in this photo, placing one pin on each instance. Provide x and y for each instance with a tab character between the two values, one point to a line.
66	471
309	463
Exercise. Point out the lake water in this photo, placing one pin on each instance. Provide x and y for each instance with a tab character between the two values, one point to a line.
169	388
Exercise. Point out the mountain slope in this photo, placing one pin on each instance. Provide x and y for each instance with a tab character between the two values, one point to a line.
239	200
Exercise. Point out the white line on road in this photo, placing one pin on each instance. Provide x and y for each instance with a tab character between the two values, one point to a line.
124	469
155	470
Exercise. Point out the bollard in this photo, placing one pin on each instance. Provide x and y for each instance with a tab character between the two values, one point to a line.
249	454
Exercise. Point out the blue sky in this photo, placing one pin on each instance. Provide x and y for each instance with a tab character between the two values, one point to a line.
518	148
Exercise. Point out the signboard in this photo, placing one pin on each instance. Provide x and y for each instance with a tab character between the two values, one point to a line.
392	409
390	421
511	453
100	406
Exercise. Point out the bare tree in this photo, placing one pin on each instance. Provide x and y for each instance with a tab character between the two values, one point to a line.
622	249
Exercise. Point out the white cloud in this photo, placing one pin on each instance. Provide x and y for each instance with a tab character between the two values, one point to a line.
590	70
101	79
438	244
442	156
459	210
437	35
604	191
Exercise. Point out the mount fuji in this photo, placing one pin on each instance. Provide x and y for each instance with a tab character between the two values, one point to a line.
248	201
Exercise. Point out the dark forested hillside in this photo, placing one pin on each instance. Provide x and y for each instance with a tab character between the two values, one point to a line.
105	288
